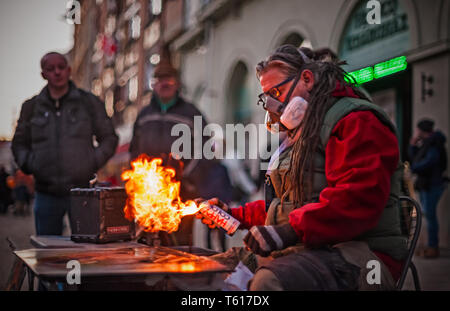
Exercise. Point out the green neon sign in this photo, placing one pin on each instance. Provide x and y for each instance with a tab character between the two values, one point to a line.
362	75
379	70
389	67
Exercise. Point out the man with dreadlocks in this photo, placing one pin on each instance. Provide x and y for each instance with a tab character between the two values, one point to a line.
332	218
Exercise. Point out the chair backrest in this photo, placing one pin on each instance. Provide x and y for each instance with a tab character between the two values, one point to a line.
411	222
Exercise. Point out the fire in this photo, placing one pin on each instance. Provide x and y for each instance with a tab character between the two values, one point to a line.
153	196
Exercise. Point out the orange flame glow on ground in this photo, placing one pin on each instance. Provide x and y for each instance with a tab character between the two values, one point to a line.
153	196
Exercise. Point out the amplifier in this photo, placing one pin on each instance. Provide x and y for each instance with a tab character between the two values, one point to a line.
97	215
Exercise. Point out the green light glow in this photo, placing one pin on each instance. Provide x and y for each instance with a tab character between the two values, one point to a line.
362	75
383	69
389	67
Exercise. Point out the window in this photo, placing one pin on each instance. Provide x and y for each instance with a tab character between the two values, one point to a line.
240	95
135	27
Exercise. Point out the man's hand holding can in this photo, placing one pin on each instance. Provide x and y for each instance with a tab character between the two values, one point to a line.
216	213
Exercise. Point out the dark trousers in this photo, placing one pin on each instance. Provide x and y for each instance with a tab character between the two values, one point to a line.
221	239
429	200
49	211
312	269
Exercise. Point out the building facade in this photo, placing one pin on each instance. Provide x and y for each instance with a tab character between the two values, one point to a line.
403	62
116	46
406	58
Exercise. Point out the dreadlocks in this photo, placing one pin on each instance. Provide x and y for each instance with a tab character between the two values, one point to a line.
327	75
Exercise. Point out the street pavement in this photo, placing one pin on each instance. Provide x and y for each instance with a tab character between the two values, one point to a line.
434	274
18	229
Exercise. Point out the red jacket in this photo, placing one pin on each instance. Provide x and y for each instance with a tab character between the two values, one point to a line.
360	158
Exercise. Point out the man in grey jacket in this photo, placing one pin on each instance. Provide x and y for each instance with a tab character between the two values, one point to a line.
54	141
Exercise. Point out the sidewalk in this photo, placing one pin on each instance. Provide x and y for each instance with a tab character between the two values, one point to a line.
18	229
434	274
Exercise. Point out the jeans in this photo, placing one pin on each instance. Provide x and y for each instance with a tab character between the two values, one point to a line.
429	200
49	211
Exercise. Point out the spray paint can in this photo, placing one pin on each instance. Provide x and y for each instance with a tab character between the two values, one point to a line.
219	217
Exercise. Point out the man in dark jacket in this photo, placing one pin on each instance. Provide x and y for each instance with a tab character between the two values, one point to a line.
54	141
429	161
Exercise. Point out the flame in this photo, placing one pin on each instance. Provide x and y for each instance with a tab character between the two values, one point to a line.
153	196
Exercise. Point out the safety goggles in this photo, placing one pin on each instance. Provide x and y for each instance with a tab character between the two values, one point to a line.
273	92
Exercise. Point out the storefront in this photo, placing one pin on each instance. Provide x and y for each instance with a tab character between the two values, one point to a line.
404	65
376	60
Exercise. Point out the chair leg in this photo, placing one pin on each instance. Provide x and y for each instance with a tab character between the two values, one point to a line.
16	276
415	276
30	279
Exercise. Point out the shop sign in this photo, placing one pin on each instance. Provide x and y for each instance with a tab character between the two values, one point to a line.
364	44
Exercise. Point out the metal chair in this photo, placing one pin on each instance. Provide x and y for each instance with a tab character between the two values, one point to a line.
411	221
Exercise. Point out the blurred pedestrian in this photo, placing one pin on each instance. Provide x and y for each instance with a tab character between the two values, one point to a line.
429	161
217	184
21	194
54	141
243	185
152	135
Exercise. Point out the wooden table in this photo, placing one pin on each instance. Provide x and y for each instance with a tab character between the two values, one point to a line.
119	265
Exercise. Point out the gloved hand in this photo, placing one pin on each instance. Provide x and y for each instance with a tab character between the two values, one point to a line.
213	201
262	240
